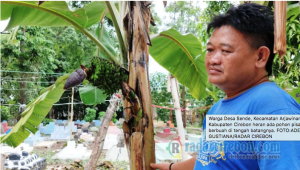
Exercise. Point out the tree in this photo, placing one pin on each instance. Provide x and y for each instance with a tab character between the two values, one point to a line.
213	8
184	16
159	94
26	52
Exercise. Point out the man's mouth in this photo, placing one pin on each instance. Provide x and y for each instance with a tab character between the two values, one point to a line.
213	70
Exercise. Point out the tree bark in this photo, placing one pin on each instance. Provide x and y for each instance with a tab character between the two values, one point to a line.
100	138
142	150
184	106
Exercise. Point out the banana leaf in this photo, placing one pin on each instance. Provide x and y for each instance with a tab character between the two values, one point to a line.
35	112
56	13
183	56
91	95
31	14
105	39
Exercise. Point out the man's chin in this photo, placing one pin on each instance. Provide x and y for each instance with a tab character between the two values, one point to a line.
214	80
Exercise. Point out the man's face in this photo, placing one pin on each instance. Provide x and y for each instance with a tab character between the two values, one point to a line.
229	61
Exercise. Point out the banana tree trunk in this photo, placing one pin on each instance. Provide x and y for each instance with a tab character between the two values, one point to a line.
100	138
138	125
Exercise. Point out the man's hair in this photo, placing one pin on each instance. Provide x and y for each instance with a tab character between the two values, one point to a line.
255	21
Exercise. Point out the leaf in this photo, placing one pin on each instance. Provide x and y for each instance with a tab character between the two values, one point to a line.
106	41
292	10
183	57
31	14
296	94
265	3
91	95
95	12
297	58
35	112
55	13
117	20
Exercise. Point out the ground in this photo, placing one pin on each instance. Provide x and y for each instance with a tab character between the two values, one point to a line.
56	164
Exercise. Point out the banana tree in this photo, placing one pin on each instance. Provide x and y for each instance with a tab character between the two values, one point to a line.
134	39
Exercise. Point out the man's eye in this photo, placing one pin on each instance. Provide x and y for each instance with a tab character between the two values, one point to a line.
225	51
209	50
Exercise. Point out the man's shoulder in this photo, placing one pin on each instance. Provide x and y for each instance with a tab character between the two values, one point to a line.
270	96
269	92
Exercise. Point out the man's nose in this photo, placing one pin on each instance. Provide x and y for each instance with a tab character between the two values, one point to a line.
215	59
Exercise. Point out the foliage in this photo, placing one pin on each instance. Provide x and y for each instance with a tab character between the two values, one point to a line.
184	16
46	121
213	8
296	94
34	113
286	71
5	115
57	14
159	94
157	20
189	17
49	50
113	119
28	51
101	114
90	114
91	95
183	56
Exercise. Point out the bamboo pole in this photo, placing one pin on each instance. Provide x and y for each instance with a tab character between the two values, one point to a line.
2	160
175	96
71	121
184	106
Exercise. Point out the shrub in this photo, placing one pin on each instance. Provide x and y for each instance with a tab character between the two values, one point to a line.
46	121
90	114
113	119
101	114
5	115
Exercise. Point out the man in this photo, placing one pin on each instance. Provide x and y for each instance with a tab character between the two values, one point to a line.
238	60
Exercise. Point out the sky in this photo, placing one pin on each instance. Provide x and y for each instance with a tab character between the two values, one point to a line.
3	24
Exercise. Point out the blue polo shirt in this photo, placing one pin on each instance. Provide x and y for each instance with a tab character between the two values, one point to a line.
265	98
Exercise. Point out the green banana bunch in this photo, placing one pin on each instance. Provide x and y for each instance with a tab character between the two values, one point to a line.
106	75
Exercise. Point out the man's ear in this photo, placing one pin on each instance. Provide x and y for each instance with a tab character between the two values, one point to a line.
263	54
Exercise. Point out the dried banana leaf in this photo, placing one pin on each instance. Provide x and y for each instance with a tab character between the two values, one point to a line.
280	27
